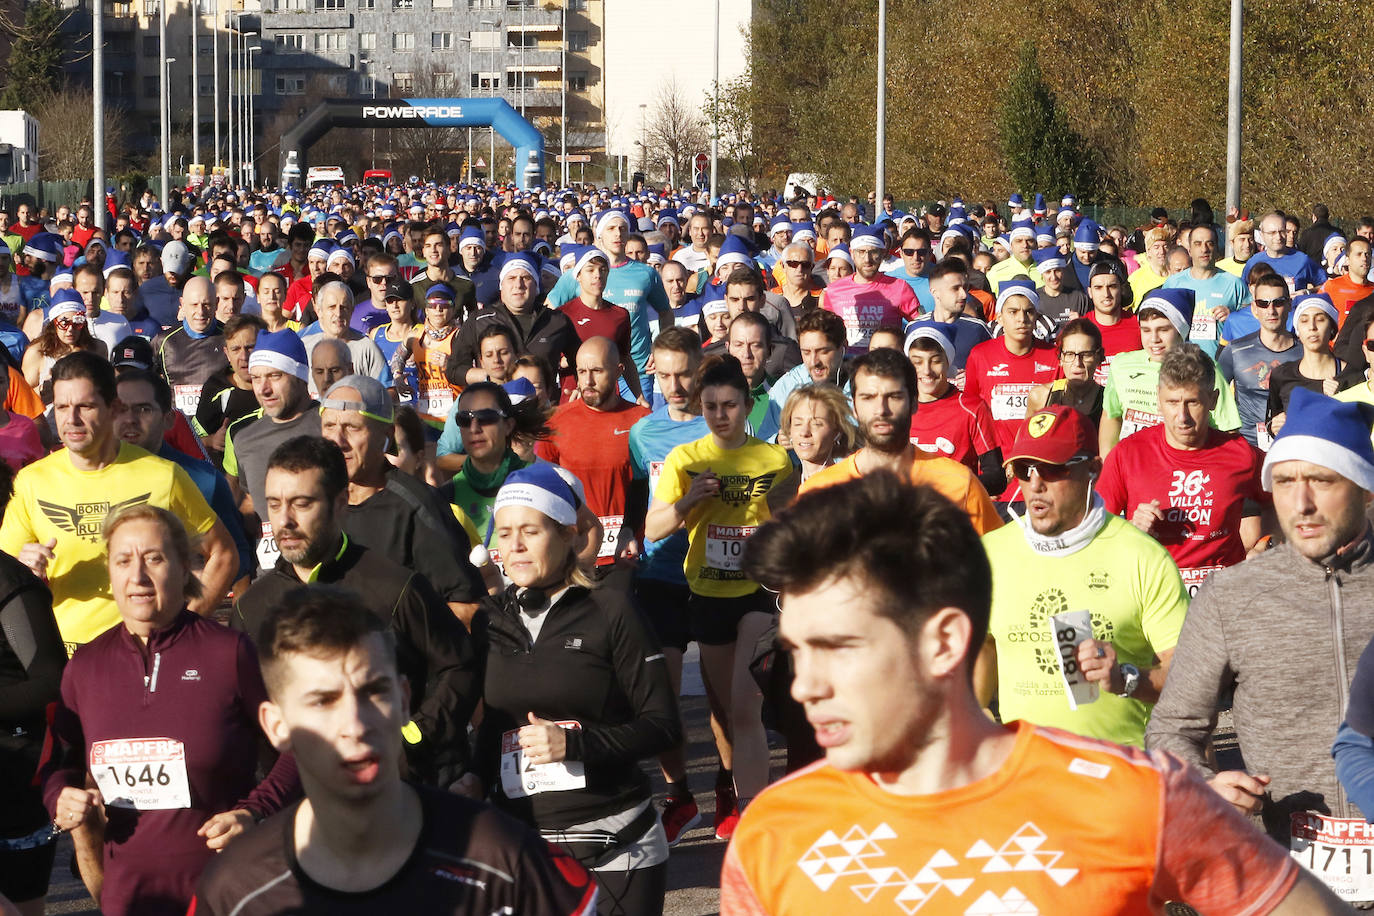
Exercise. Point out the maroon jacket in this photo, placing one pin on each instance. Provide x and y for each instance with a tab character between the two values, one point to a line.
200	685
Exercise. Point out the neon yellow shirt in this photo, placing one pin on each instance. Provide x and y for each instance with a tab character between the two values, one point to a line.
1005	270
1137	599
1360	394
52	499
1143	280
1131	394
718	527
1231	266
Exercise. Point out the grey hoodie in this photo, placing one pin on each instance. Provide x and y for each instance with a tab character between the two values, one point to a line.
1285	633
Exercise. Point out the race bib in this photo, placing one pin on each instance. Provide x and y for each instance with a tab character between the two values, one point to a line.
1195	576
1263	440
655	472
267	549
187	398
1009	400
1070	629
611	526
1133	421
725	546
1338	850
1204	325
521	779
146	774
436	401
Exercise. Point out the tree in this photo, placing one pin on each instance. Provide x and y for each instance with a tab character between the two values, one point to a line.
65	141
35	64
736	122
1040	150
674	132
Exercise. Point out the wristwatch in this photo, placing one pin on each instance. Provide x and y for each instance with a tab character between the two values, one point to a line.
1130	679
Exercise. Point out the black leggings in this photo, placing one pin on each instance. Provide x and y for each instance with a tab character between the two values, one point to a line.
637	892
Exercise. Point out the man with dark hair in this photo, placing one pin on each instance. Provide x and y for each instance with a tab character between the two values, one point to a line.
947	286
885	596
915	267
821	338
885	395
363	840
53	523
307	498
1313	238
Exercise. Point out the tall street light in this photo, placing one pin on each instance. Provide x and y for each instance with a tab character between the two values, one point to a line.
366	63
252	135
467	40
98	111
165	133
243	104
491	162
216	49
880	178
563	99
715	106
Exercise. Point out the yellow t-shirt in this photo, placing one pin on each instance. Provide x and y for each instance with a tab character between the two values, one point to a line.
52	499
1143	281
1360	394
1137	599
718	527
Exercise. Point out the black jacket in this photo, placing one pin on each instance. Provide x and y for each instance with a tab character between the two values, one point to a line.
551	336
433	648
594	662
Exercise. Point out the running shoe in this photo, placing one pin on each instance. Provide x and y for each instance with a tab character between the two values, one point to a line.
727	812
679	815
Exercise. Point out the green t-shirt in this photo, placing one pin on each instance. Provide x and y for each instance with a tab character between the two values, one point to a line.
1132	395
1137	599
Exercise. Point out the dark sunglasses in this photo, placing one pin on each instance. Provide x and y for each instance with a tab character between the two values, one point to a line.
487	416
1278	303
798	264
379	278
1369	344
1021	469
912	252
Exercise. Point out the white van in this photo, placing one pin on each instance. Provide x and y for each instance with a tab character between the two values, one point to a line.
804	183
323	174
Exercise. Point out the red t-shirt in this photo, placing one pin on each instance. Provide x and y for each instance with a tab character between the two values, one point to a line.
595	446
1116	338
1003	382
1201	492
298	296
958	426
610	321
25	232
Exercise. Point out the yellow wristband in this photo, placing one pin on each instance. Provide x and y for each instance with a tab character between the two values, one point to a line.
411	732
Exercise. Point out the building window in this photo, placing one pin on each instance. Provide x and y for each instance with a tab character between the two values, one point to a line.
367	4
517	39
327	5
485	41
367	41
577	40
577	6
290	41
402	41
122	9
205	83
331	41
521	80
577	82
290	84
150	46
443	4
289	5
207	7
403	82
440	41
444	82
150	87
486	81
205	45
482	4
122	43
403	4
519	4
152	7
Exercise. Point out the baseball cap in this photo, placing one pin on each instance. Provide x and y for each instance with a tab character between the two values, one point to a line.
177	258
134	352
1054	435
396	288
375	404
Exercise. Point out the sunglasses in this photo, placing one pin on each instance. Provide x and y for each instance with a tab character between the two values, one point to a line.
912	252
796	265
1278	303
1369	344
379	278
487	416
1021	469
67	324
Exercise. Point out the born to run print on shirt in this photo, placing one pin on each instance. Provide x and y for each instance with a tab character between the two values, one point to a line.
86	520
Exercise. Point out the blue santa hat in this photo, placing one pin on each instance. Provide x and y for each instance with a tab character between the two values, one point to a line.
930	332
519	260
1326	432
840	252
472	235
1016	200
539	486
657	254
1017	286
1086	236
780	223
1319	301
281	350
1022	228
1039	208
865	236
803	231
734	250
1049	258
1176	304
584	255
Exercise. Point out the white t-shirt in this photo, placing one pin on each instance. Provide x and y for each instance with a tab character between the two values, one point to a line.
109	328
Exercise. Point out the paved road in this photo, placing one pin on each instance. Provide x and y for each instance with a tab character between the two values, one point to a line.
693	872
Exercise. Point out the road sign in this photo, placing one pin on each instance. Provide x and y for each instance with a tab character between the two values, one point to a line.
481	163
702	162
702	179
575	157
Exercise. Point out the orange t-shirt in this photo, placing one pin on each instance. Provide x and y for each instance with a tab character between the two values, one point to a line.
1065	825
21	398
1345	292
945	476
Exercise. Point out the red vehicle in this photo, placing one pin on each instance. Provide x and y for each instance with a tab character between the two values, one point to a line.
377	177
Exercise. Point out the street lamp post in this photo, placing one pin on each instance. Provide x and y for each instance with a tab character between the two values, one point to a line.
195	82
715	106
98	111
366	64
252	135
491	162
244	149
563	100
216	50
880	176
468	41
165	133
644	140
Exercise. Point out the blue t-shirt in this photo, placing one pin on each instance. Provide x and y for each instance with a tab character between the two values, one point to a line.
1248	363
388	348
13	340
965	331
919	285
651	439
1297	268
215	489
1222	289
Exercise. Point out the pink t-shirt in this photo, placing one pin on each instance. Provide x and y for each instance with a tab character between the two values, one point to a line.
865	307
19	442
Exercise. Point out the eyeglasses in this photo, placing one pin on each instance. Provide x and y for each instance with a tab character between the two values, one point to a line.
797	265
1278	303
487	416
1077	356
66	324
380	278
1369	344
1021	469
913	252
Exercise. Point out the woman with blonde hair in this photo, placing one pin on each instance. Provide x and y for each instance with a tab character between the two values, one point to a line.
818	427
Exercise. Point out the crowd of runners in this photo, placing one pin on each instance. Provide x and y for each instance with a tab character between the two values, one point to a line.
353	540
